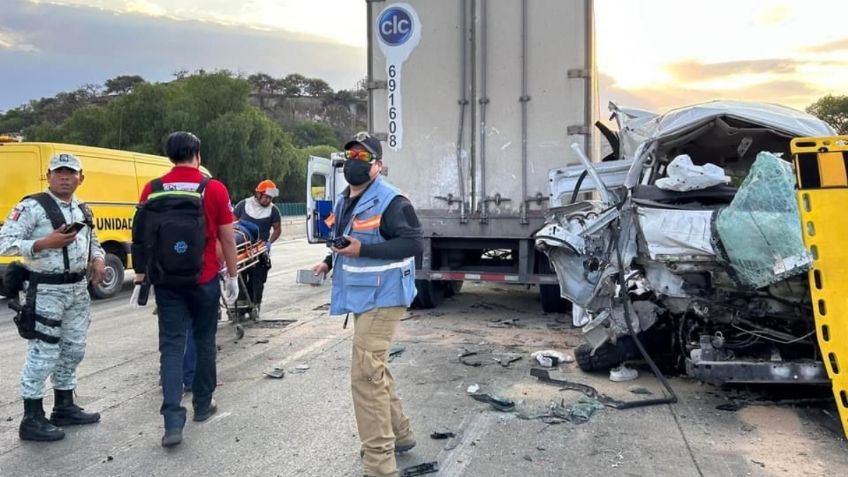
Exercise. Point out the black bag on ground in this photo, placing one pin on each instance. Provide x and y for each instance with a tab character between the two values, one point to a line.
174	235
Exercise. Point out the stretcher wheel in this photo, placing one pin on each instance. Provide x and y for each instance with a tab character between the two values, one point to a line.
254	314
239	332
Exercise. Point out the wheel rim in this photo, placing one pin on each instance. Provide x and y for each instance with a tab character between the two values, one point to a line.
110	279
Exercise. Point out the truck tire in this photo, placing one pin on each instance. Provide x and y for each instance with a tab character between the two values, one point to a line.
430	294
452	287
607	356
112	282
551	301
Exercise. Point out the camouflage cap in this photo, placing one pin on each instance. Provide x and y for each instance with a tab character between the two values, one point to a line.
66	160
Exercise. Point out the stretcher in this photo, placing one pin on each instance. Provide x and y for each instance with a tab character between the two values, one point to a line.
250	250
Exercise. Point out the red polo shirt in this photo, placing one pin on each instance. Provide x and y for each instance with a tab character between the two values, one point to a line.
216	208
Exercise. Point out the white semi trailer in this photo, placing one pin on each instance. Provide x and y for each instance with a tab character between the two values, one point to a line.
475	102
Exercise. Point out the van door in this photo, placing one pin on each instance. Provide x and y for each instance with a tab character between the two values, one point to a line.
324	181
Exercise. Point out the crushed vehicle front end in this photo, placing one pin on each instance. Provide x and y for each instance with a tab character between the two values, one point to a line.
698	245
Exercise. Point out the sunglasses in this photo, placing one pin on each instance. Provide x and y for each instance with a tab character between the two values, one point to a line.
361	155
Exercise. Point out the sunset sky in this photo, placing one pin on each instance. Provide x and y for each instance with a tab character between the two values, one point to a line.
654	54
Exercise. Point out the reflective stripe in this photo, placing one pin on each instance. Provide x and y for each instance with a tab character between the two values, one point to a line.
367	224
172	193
377	268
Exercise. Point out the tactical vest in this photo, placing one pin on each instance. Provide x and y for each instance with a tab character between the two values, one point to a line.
361	284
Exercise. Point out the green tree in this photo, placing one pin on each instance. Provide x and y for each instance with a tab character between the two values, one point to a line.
245	147
293	85
313	133
263	83
123	84
833	110
317	88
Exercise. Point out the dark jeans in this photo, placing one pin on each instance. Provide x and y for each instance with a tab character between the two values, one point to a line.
190	358
179	309
256	278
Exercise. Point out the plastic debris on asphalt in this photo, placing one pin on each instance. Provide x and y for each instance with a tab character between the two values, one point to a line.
549	358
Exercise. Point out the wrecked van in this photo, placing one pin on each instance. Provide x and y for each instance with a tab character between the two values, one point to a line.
691	242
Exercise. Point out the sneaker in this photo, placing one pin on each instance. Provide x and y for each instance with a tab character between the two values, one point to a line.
172	437
210	410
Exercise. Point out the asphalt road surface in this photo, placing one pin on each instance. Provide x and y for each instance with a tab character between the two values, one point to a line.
302	424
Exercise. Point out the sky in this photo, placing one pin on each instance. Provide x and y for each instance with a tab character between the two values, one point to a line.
652	54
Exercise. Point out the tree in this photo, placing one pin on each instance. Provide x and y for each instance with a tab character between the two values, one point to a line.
833	110
293	85
317	88
263	83
311	133
123	84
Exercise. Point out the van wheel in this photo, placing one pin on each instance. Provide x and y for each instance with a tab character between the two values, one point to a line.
113	281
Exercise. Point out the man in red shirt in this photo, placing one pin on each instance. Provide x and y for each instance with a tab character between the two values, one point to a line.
192	306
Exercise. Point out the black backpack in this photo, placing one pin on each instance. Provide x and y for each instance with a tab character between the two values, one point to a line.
174	235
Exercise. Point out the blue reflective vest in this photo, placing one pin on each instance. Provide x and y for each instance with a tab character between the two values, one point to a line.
361	284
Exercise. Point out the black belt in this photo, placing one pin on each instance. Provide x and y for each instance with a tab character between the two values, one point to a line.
56	278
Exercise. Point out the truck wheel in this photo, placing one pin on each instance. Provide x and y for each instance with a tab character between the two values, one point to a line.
607	356
112	282
551	301
430	294
452	287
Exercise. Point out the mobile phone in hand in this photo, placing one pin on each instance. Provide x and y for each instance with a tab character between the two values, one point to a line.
74	227
341	242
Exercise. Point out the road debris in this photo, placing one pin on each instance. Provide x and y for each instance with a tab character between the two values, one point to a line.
396	351
549	358
420	469
498	323
276	373
498	403
439	435
473	388
507	360
261	342
576	413
301	368
623	373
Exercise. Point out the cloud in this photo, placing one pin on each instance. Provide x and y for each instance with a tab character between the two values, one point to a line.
145	7
14	41
830	47
697	71
89	45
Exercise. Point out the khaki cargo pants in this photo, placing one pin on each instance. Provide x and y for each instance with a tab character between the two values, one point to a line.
379	415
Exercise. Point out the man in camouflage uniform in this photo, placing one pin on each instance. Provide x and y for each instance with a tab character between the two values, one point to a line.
58	259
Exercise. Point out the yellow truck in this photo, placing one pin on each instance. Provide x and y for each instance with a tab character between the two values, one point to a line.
113	181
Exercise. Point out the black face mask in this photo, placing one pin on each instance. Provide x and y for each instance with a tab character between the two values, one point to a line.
357	172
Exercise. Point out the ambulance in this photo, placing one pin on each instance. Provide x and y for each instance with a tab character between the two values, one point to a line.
113	181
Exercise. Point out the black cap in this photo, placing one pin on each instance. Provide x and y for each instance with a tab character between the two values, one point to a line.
369	142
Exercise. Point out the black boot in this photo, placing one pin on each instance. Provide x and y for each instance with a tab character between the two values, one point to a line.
34	426
66	413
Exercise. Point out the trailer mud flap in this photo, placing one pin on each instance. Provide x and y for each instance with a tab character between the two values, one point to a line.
821	164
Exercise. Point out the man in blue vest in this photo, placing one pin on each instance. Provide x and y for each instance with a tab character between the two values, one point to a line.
374	279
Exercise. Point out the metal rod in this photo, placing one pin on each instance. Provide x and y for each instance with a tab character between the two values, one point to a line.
370	66
590	77
472	35
523	100
484	213
463	101
606	197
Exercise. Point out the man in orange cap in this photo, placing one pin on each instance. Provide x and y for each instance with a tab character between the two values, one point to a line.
261	211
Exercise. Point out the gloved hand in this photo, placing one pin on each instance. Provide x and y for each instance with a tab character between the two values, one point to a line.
231	290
